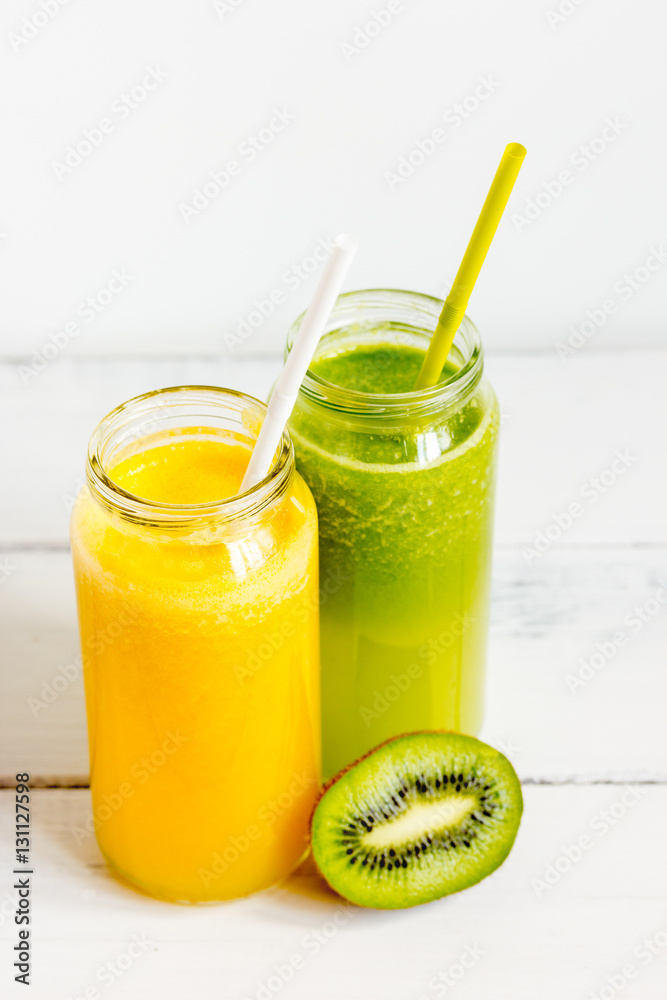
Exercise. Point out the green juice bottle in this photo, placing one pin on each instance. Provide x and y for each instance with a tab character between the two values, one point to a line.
404	486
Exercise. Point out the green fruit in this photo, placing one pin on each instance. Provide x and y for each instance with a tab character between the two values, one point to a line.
419	817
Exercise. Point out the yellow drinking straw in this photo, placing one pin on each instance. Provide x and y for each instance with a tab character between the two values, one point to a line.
456	302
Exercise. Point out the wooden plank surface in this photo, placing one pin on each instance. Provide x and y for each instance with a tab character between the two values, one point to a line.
564	700
543	926
564	424
576	697
561	708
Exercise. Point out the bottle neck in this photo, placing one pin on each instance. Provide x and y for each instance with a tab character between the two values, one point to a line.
392	317
167	414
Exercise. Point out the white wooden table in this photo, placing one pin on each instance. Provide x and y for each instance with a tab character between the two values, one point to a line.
558	920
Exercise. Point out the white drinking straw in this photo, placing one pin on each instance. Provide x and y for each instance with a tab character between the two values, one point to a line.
287	387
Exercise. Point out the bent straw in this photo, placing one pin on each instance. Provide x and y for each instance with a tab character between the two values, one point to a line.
287	387
456	302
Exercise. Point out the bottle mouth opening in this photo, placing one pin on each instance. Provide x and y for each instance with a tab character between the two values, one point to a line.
392	316
173	414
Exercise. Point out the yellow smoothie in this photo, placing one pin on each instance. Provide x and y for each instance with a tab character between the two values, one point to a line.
200	651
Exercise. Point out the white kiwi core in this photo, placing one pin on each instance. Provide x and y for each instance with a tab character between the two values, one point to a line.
419	819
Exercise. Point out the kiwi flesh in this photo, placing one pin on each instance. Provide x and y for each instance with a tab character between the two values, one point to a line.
419	817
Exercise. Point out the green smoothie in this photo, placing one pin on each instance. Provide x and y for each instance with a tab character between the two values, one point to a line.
405	502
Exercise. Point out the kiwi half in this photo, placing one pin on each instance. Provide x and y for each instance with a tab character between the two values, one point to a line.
421	816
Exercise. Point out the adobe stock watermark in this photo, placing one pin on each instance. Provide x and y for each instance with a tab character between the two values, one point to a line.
635	621
109	802
399	683
86	312
121	109
7	568
68	673
291	280
453	118
110	972
33	24
275	639
51	690
564	10
248	151
624	290
580	159
311	944
591	491
441	984
267	814
225	7
7	908
600	824
135	433
643	954
69	499
364	34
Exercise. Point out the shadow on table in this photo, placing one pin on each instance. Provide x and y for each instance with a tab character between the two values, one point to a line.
307	882
66	837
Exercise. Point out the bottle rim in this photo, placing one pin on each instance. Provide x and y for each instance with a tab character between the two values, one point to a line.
130	423
448	394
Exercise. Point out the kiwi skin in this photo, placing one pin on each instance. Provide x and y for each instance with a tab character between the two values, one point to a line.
439	869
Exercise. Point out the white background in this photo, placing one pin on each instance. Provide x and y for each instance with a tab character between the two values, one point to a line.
355	115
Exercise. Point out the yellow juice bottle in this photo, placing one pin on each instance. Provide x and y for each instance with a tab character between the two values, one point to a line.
198	614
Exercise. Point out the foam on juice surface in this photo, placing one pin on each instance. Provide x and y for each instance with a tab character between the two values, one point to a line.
387	369
374	368
227	566
196	470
